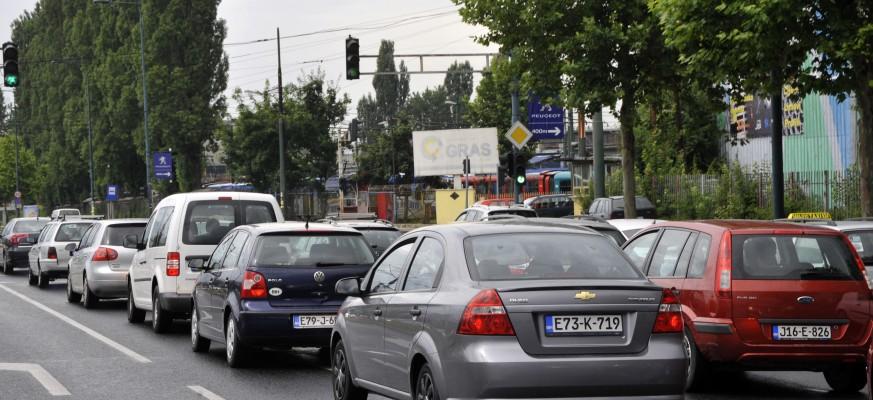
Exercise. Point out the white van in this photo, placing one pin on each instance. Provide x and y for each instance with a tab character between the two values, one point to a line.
181	227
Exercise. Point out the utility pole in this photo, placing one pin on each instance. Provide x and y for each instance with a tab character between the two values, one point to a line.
776	150
597	144
90	144
145	109
281	128
515	117
17	173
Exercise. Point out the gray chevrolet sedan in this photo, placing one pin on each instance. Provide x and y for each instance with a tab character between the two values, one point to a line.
506	311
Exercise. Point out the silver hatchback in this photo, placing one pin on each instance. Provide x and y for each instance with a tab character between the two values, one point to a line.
506	311
99	262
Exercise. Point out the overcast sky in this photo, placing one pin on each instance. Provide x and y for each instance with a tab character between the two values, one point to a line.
416	26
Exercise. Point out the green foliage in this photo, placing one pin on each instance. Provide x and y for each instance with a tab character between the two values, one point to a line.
73	49
28	167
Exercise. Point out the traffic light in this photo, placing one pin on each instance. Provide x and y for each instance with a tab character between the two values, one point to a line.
519	169
353	58
10	64
353	130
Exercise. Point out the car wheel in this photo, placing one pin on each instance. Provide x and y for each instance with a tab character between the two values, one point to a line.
72	297
161	319
425	388
343	386
31	278
42	280
134	315
698	371
199	344
847	379
235	351
7	266
89	299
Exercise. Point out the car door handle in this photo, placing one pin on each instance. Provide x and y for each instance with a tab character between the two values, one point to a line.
377	312
142	262
415	312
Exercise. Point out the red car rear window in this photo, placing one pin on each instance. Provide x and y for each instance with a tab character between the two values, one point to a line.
787	257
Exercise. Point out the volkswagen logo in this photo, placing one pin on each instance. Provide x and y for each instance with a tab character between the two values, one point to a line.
805	299
318	276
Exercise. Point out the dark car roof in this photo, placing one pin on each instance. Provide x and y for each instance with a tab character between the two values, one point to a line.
746	225
501	226
274	227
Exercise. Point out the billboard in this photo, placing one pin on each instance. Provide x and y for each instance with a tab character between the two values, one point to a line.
442	152
753	118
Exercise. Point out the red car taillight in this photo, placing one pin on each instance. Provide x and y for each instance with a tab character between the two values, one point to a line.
485	315
669	318
254	286
723	266
173	263
16	238
104	254
52	253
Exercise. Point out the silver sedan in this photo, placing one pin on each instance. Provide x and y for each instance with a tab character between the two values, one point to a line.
506	310
99	262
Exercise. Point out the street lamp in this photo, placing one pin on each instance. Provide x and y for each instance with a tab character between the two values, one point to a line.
145	97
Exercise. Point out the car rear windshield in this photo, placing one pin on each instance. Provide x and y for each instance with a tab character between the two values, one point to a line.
206	222
293	250
786	257
642	203
381	238
533	256
26	226
521	213
114	235
71	232
863	242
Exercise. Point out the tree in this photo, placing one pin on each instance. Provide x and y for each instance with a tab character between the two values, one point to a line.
391	90
3	115
768	43
591	52
493	104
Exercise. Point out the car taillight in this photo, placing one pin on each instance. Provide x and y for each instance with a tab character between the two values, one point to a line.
15	239
52	253
104	254
254	286
858	261
485	315
669	318
173	263
723	266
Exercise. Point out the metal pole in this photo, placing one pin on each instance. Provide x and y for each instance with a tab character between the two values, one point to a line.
466	182
17	174
145	107
776	150
90	144
597	144
515	187
281	128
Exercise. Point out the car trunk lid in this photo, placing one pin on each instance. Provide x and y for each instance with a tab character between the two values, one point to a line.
303	286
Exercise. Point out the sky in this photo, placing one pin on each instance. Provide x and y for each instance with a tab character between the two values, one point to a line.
415	26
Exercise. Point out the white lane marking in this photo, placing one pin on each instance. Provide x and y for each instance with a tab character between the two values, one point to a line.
109	342
205	392
42	376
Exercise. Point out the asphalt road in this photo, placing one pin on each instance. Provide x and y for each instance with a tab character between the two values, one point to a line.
49	346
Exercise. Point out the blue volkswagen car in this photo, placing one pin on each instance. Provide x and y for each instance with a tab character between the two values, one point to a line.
272	286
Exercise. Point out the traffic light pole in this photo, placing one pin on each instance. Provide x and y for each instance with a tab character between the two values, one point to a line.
281	128
516	193
145	109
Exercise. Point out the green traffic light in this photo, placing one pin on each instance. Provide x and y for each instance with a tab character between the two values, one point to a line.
11	80
519	179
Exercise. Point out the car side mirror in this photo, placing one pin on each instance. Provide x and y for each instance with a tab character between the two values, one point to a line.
71	247
131	241
196	264
348	287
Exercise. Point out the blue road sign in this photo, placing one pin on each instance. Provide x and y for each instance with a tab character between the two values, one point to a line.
163	162
545	121
112	193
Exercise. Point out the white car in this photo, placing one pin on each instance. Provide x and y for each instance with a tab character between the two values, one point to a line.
48	257
184	226
630	227
479	213
860	233
59	213
99	262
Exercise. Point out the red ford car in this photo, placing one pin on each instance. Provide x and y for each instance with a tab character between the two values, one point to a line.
760	295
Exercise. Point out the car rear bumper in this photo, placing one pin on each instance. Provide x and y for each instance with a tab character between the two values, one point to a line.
267	326
175	303
498	368
106	282
18	256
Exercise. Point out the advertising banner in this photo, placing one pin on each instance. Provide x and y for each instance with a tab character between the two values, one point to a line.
442	152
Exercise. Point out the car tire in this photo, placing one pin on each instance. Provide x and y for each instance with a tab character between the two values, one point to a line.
89	299
134	315
235	352
697	375
846	379
7	265
42	280
72	297
31	278
161	319
425	387
343	386
199	344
